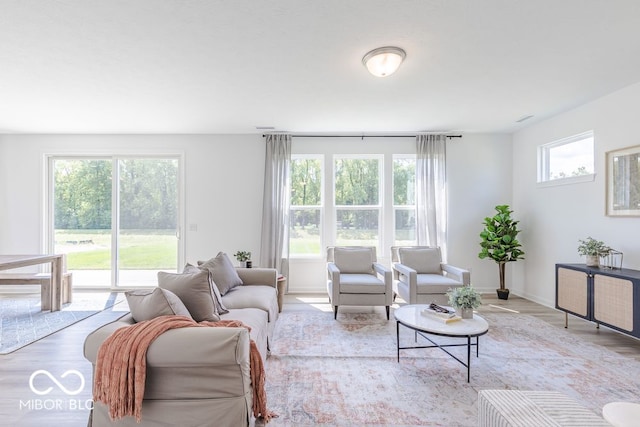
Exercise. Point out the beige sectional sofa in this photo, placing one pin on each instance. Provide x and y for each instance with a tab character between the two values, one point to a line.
200	376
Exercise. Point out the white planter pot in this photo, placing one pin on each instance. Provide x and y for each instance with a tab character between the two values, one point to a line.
593	261
466	313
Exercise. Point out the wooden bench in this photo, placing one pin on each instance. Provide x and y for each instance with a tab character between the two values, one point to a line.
44	280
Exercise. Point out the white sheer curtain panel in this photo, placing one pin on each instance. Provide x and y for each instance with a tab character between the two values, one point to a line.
275	206
431	191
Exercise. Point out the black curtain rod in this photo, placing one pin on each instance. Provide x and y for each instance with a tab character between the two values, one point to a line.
359	136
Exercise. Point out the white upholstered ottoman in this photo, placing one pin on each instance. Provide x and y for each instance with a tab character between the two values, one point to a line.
515	408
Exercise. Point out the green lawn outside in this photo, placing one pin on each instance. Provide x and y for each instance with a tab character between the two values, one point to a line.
304	241
157	249
139	249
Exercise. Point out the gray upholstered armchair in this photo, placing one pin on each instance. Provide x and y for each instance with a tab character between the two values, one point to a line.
420	276
356	278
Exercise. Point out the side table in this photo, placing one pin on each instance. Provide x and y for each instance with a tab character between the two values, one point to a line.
282	286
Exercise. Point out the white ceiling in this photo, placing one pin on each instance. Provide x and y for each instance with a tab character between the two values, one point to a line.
212	66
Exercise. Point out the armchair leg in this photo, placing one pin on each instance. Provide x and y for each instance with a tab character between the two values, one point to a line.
387	307
335	312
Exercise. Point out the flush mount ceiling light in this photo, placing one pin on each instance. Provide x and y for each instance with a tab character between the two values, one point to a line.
384	61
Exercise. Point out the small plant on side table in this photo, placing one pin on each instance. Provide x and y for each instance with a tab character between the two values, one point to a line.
244	257
464	299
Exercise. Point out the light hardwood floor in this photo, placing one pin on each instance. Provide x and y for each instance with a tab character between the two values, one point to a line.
60	352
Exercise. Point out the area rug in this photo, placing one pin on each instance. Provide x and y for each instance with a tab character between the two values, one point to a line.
22	322
344	372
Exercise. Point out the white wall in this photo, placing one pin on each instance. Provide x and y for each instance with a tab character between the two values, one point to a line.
479	178
223	181
554	218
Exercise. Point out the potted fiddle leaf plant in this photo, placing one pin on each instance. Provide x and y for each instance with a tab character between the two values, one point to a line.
593	249
500	243
244	258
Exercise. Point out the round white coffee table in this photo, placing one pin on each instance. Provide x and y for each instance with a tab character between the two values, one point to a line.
411	317
622	414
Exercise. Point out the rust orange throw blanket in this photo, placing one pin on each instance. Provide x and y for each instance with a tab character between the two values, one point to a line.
122	361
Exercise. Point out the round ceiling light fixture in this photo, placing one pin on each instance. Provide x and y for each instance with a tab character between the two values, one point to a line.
384	61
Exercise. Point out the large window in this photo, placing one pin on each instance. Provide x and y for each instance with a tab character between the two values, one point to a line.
357	201
404	200
115	218
344	202
567	160
305	234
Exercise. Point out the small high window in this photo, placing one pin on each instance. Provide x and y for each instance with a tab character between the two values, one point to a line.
567	160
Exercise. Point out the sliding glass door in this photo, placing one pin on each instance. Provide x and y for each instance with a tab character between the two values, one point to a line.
147	240
116	218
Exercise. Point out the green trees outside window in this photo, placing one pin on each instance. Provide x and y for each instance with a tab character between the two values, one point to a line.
404	200
306	204
147	203
357	201
356	205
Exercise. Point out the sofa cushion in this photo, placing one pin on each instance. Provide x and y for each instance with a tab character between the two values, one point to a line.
256	319
422	260
215	292
223	272
254	296
361	284
354	260
435	283
147	304
194	290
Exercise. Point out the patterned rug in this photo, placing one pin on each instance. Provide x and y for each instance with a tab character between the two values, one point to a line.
22	322
345	372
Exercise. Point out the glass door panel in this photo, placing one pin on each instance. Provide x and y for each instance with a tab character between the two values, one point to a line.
82	218
148	220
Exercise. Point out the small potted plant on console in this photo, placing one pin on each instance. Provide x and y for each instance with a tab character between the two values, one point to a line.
593	249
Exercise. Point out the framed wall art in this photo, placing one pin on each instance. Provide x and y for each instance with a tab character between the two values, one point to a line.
623	182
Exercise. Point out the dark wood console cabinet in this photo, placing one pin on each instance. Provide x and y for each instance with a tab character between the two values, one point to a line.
606	296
